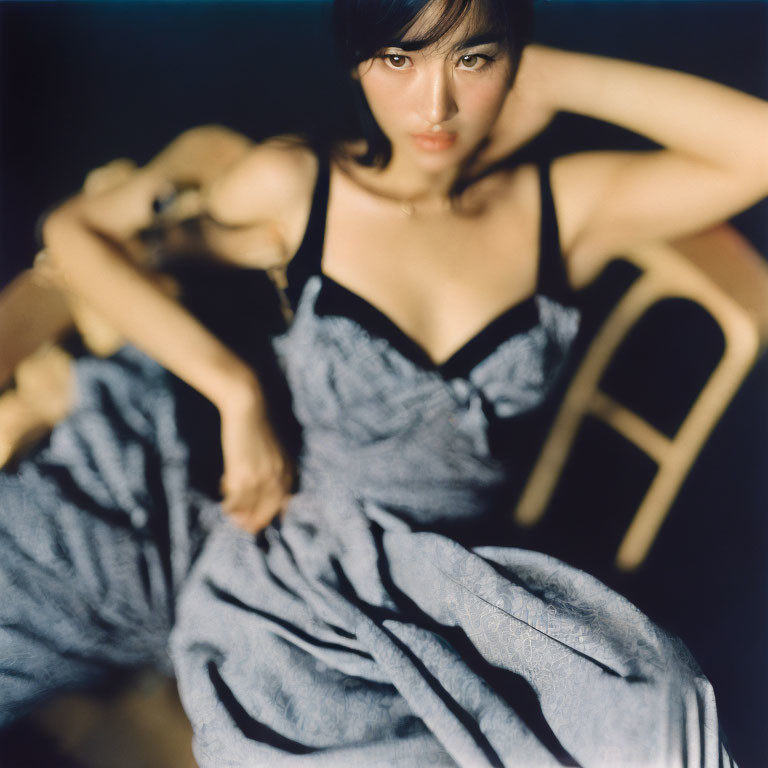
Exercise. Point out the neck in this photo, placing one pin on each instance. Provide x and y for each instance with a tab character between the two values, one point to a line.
407	181
412	186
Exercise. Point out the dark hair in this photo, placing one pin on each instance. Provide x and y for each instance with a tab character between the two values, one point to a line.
362	28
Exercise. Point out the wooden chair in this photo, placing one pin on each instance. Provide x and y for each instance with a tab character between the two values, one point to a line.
142	725
720	271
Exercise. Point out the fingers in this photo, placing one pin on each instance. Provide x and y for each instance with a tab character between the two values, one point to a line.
258	477
255	520
108	176
252	505
257	517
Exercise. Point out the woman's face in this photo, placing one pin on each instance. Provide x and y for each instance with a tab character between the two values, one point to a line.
436	104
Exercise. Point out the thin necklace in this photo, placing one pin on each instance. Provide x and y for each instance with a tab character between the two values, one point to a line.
408	207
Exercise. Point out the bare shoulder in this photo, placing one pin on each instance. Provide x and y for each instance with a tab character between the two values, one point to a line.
271	185
609	201
578	180
519	191
580	184
511	189
516	191
524	186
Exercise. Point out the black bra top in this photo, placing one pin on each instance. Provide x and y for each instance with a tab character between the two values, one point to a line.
335	299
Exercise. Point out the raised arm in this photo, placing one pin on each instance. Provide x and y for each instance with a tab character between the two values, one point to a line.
86	240
714	161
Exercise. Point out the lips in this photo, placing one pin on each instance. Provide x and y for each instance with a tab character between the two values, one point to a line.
434	142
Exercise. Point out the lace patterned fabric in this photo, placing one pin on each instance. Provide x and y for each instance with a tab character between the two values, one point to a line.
353	631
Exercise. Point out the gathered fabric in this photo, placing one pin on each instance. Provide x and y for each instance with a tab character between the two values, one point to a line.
363	627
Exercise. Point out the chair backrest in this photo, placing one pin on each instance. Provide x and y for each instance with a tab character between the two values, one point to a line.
720	271
727	258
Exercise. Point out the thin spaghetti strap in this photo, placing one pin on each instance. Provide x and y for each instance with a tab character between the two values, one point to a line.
552	278
306	261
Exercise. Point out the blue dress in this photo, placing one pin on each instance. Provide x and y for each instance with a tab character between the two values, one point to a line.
379	622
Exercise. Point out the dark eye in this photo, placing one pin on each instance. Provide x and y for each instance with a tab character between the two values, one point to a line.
397	60
476	61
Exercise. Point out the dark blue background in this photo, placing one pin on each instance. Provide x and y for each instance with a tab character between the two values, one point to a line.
85	82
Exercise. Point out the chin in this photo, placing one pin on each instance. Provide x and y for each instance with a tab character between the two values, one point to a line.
436	164
438	161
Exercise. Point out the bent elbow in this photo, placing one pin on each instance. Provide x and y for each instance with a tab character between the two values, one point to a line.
62	233
213	132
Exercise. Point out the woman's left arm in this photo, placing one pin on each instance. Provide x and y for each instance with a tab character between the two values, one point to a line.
714	161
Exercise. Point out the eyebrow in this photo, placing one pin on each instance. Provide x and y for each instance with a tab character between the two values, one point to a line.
480	39
483	38
408	45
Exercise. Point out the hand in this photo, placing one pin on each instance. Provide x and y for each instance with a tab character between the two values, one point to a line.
527	109
108	176
257	474
43	396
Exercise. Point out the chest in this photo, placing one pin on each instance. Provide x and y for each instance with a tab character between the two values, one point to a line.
441	276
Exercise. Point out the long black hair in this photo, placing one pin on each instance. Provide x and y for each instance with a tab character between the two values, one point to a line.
362	28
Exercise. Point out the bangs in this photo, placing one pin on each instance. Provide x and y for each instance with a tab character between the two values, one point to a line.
474	14
365	27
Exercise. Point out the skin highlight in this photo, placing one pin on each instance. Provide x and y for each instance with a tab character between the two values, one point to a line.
441	274
436	104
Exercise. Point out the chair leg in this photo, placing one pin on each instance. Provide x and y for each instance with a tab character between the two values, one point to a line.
674	456
578	400
742	344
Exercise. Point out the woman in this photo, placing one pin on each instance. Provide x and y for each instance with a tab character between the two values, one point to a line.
367	626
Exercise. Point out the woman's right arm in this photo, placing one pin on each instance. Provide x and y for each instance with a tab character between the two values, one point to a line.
85	240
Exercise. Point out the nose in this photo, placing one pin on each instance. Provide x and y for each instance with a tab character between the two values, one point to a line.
437	97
